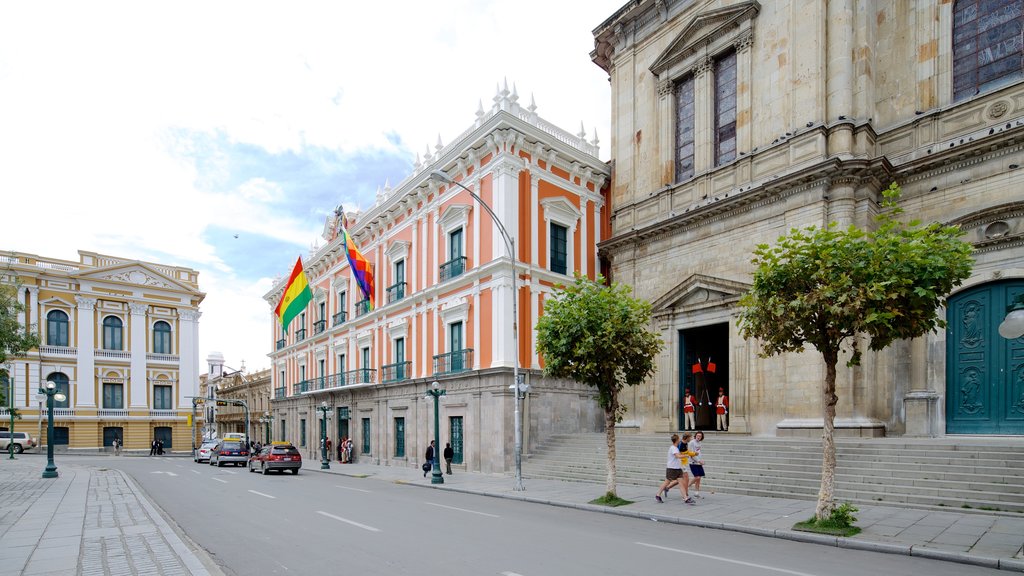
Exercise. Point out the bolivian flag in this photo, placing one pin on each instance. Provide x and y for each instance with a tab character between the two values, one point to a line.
296	295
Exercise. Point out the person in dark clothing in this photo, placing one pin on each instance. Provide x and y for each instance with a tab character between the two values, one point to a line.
152	448
160	447
448	455
430	458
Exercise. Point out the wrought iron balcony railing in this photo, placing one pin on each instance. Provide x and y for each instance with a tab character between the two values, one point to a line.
300	334
453	268
280	392
300	387
396	372
396	292
451	362
280	344
362	308
338	318
360	376
319	326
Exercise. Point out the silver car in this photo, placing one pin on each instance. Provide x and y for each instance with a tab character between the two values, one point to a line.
229	452
202	454
22	441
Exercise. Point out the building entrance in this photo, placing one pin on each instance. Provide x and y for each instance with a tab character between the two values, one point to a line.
703	369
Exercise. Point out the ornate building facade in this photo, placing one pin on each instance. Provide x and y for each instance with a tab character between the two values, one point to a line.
229	387
735	121
118	337
445	285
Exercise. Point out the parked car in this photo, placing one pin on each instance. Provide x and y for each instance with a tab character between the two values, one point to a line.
276	457
21	440
229	452
202	454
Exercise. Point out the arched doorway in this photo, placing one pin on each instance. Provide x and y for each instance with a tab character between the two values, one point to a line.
984	371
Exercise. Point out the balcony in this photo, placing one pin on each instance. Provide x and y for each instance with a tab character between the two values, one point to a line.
396	292
112	413
452	362
161	413
453	268
396	372
319	326
362	308
66	351
280	344
359	376
63	412
300	334
280	392
116	354
300	387
154	357
338	319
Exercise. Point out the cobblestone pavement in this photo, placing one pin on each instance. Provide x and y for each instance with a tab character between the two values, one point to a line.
88	521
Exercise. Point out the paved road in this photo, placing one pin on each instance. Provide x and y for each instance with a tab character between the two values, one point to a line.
312	523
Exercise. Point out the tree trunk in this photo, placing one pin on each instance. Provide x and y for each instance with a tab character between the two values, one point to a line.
826	495
609	434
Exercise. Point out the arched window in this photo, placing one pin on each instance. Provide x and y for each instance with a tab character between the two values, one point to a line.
987	45
57	328
61	380
112	328
162	338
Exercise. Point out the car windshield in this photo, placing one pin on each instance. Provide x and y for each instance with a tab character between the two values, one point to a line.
208	445
231	446
288	451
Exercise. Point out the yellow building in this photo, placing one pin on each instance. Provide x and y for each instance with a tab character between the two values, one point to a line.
118	337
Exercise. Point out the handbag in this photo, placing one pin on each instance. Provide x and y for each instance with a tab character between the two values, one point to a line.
426	466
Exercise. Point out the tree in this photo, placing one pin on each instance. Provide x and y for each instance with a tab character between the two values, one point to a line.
597	335
15	339
825	286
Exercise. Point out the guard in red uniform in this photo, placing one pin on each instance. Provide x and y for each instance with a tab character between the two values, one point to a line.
722	408
688	411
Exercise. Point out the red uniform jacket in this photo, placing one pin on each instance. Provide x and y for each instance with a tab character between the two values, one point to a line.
688	403
723	405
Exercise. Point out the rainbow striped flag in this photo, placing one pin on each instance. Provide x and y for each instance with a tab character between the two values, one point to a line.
296	295
360	266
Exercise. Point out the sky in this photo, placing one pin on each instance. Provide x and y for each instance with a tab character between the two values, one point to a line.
218	135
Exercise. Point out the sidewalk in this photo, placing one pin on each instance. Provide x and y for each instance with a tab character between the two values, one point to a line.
984	539
46	524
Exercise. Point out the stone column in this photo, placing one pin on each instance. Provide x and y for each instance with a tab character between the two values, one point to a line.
920	404
666	131
33	311
744	91
585	250
704	117
839	78
137	347
85	385
188	356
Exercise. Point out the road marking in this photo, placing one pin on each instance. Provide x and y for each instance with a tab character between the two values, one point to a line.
231	471
221	481
196	472
464	510
356	524
355	489
730	560
510	574
264	495
162	472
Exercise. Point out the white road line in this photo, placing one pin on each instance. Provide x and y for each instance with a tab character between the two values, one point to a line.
196	472
222	481
264	495
231	471
730	560
355	489
464	510
356	524
510	574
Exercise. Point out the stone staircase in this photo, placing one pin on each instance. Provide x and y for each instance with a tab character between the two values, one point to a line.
952	472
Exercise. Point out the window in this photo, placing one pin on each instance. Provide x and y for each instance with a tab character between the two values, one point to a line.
400	272
399	437
302	432
342	366
455	341
366	358
322	363
61	381
302	373
987	45
725	109
302	321
455	244
162	338
112	328
399	350
57	328
685	122
455	425
366	436
163	397
559	248
113	396
323	311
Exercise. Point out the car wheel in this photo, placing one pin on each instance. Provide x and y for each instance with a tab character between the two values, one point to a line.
18	449
220	464
295	471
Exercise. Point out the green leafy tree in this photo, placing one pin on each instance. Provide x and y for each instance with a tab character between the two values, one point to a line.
15	340
598	335
826	286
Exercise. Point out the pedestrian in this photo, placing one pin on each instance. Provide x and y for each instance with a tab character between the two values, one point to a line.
688	411
329	449
350	451
722	408
152	448
448	455
684	455
159	447
697	463
430	459
117	446
676	467
341	450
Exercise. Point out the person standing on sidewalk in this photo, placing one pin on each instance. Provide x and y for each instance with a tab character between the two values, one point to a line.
430	459
722	409
152	448
117	446
448	455
688	411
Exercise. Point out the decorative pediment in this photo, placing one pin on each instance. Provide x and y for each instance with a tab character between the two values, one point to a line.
560	210
705	30
136	273
398	250
699	291
453	216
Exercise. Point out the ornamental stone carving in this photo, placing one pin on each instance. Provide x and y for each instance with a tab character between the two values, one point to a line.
85	303
998	109
744	41
138	277
190	315
703	66
138	308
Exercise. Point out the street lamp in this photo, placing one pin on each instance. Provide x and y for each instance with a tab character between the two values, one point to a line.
324	409
51	394
510	245
266	419
1013	325
436	392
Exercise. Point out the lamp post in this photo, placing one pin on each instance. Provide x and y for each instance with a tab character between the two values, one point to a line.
436	392
510	245
266	420
51	392
10	410
1012	326
324	409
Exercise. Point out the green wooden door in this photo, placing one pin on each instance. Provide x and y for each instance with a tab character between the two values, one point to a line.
984	371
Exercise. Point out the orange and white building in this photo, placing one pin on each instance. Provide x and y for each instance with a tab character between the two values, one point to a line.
443	294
